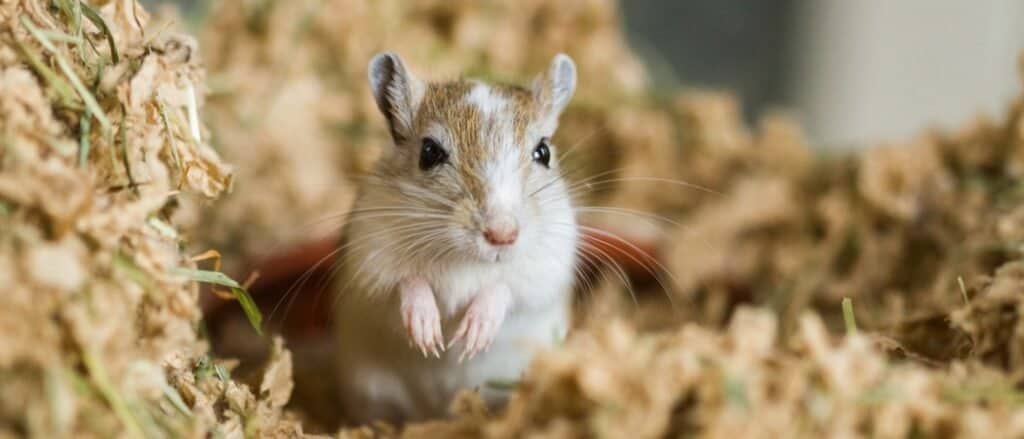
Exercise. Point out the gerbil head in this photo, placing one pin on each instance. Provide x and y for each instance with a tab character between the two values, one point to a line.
475	159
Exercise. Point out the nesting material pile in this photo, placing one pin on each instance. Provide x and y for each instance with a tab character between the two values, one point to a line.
101	163
909	231
742	381
290	105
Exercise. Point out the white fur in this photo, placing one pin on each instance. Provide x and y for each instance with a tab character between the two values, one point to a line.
489	103
503	173
504	183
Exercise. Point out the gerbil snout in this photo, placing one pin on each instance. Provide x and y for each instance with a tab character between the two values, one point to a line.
501	230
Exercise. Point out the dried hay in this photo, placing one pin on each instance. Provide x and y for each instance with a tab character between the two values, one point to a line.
102	161
743	381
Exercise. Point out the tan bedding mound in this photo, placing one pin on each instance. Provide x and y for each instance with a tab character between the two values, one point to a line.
102	162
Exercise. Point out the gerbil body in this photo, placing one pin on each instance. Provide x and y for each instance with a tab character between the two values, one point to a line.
383	377
458	260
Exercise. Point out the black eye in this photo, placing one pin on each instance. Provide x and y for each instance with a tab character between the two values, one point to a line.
431	154
542	153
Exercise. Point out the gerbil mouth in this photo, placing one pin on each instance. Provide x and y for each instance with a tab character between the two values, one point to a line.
498	256
491	253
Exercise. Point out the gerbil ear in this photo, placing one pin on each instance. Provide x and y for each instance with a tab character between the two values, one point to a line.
554	89
397	92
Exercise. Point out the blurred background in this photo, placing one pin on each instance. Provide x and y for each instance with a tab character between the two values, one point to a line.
853	73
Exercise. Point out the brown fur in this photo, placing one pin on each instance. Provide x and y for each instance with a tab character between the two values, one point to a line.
446	103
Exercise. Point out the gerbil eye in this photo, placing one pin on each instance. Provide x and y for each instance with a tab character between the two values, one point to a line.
542	153
431	154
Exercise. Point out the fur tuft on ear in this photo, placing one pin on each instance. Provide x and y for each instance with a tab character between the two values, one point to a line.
554	89
397	93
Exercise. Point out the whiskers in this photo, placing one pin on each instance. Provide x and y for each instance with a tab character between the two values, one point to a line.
411	229
602	250
408	229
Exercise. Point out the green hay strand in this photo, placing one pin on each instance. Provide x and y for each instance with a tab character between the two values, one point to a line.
736	392
203	367
502	385
59	399
252	312
124	154
163	228
83	139
96	19
61	37
848	317
88	98
125	264
79	384
173	144
222	374
117	403
72	11
176	401
67	94
76	12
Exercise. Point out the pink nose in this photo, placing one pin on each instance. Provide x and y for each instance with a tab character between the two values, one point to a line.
501	231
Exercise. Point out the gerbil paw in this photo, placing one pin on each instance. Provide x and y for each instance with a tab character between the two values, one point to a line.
421	319
480	323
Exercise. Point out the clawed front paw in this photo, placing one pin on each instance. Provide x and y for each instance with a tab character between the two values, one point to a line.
420	317
481	321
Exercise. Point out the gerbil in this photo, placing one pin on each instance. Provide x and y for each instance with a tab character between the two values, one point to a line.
459	255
